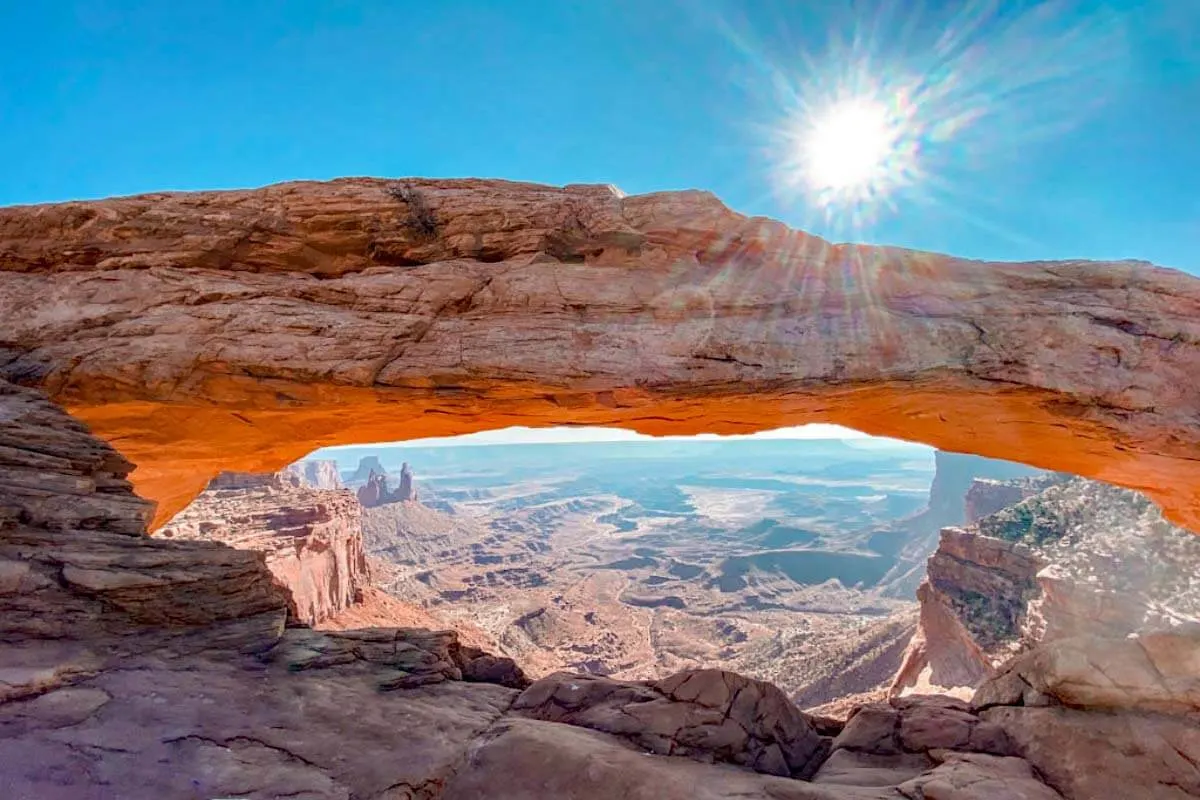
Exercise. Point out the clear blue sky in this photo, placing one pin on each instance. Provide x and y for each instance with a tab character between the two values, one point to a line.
1076	126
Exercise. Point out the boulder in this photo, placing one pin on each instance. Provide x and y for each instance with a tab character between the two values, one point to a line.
1088	755
709	715
523	759
1157	671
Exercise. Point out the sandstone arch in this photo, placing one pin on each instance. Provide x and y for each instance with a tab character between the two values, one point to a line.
239	330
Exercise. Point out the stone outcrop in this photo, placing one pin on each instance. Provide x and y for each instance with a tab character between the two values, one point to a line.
986	496
312	538
706	714
80	582
405	492
375	491
1102	717
367	466
913	538
1077	558
243	329
1157	671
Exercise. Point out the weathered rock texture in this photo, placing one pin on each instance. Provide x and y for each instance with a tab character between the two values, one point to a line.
312	538
1101	717
239	330
1078	558
914	538
986	496
707	714
81	583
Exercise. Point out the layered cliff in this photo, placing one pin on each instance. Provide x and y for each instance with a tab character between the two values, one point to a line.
913	539
1075	558
312	538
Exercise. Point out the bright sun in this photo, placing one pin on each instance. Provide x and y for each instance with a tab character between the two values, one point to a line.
848	148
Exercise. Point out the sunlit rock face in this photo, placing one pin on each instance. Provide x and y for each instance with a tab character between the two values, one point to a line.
242	329
1078	558
312	538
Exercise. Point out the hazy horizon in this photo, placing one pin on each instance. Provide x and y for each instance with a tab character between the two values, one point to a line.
590	434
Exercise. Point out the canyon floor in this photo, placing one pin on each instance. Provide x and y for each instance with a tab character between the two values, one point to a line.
635	560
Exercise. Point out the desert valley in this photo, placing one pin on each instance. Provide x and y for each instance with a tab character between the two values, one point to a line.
792	561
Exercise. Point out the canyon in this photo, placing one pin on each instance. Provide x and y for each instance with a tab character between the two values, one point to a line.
235	332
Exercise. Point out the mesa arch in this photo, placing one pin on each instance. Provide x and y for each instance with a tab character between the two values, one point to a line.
240	330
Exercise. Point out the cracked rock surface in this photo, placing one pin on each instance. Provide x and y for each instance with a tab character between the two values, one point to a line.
712	715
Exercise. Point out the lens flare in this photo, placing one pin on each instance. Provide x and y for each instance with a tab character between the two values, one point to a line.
873	106
848	147
855	149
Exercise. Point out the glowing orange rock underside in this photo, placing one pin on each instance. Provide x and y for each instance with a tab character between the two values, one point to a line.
178	448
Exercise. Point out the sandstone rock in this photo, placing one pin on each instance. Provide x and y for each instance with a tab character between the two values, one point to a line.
704	714
920	724
78	566
210	728
405	491
974	776
398	658
367	466
54	474
1075	559
986	496
524	759
911	539
1094	756
316	474
1158	671
312	538
321	309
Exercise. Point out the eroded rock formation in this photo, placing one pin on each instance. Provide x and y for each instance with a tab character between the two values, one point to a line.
914	538
706	714
239	330
312	538
1078	558
375	491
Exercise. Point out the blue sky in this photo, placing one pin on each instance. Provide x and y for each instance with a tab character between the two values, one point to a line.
1074	127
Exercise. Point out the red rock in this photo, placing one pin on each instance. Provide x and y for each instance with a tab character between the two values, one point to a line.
706	714
312	538
1076	559
311	314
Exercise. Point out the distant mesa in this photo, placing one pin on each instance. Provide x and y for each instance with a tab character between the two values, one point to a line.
366	466
375	491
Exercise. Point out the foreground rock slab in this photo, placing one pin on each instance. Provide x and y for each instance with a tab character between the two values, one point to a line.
711	715
523	759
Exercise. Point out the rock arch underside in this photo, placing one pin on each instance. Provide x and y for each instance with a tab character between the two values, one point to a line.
195	333
238	330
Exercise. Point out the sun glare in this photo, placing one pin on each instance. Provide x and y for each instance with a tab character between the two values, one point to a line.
849	146
853	151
